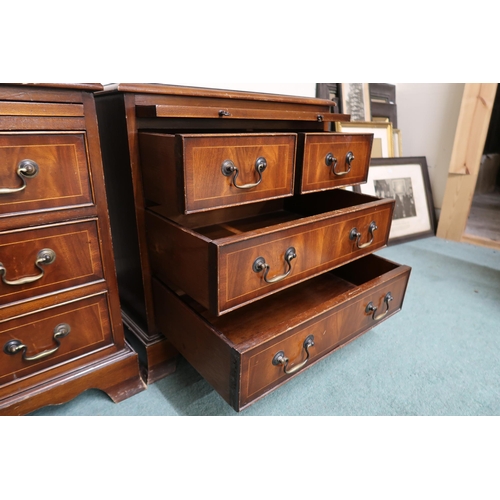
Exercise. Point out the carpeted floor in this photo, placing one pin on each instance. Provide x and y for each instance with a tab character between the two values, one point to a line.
439	356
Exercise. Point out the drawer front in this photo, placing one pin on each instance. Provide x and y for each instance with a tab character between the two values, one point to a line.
265	369
334	160
47	259
231	170
43	171
315	248
37	341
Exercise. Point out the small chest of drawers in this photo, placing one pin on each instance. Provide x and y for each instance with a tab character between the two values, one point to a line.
60	325
238	247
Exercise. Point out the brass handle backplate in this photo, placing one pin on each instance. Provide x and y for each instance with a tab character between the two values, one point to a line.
260	265
44	257
27	169
13	347
229	168
356	235
281	359
370	308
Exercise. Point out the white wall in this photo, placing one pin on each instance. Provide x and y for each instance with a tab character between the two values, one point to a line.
300	89
427	118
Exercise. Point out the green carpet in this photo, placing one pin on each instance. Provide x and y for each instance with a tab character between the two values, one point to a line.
439	356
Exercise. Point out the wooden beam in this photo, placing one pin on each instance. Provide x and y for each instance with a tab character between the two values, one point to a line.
470	136
482	242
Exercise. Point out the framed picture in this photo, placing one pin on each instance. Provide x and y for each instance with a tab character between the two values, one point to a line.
383	110
329	91
355	101
407	181
382	135
383	93
383	102
397	142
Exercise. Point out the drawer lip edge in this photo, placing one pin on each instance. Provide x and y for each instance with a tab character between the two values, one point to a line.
381	204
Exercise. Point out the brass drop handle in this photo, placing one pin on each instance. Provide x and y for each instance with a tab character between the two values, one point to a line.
27	169
44	257
356	235
260	265
281	359
331	161
228	168
15	346
370	308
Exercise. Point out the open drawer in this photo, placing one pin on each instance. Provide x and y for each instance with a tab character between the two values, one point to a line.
228	258
191	173
249	352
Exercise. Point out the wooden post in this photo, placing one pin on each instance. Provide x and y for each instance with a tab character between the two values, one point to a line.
470	137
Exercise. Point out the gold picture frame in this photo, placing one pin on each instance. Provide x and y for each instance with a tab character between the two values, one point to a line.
383	141
397	143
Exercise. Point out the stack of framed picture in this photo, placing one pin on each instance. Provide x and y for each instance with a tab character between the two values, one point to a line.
372	108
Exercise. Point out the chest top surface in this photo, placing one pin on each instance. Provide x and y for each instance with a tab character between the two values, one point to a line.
166	101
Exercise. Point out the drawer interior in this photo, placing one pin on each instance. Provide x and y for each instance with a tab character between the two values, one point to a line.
293	209
364	270
232	221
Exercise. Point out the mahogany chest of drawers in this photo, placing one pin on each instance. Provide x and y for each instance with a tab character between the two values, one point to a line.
235	244
60	325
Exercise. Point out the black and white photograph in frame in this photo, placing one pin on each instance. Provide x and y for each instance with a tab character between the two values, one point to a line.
406	180
355	101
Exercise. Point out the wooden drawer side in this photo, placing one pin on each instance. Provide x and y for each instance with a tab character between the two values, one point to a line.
202	346
179	257
162	179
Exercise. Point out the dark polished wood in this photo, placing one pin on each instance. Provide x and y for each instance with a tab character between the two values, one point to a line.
77	258
317	171
234	352
89	324
62	208
125	109
231	269
184	172
63	179
115	374
214	263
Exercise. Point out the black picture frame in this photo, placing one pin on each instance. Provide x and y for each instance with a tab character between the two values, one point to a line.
383	92
383	102
406	179
384	110
329	91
